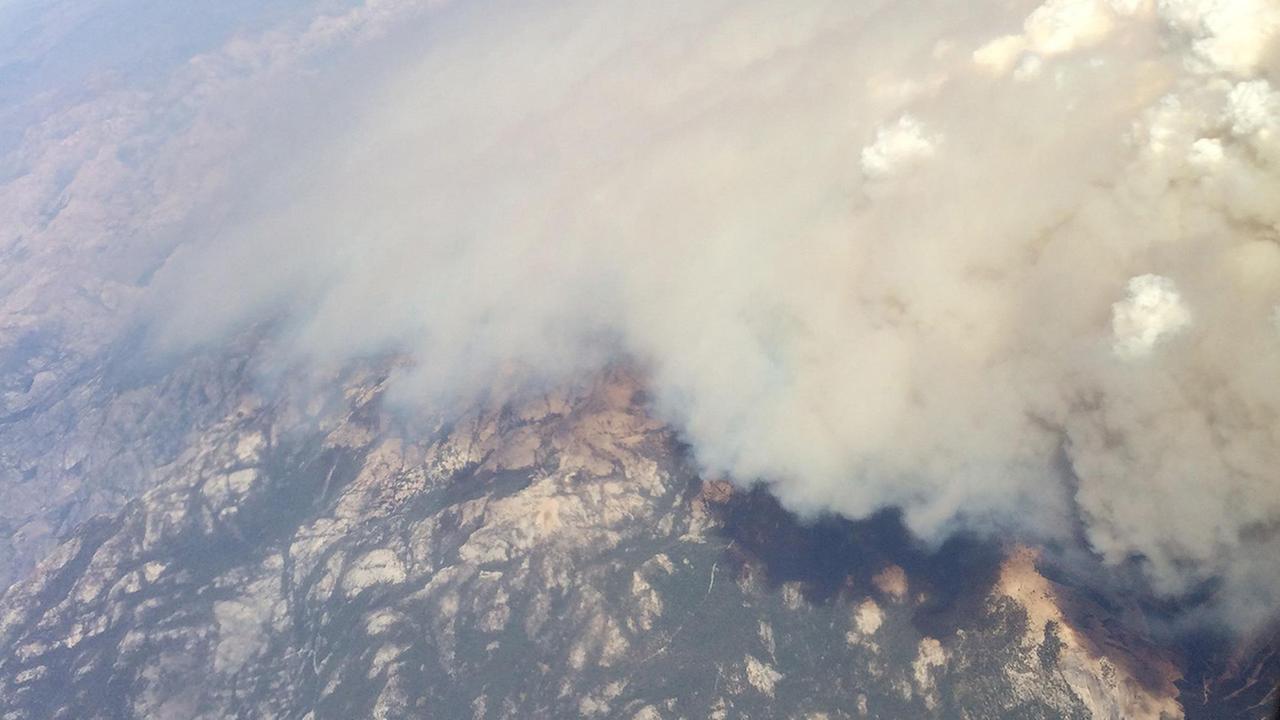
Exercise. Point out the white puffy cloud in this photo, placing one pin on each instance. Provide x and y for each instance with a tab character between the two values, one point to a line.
896	146
1054	28
1152	312
1253	107
1224	35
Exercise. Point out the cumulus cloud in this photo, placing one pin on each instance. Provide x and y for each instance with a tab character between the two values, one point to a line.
873	253
1153	311
899	144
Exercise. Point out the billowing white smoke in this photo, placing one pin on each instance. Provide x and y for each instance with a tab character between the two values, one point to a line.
877	253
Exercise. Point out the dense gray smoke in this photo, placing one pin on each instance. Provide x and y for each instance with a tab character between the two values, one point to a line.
876	253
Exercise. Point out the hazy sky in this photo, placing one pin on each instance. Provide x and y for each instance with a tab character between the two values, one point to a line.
1005	265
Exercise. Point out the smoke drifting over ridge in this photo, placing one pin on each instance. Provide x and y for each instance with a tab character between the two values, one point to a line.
876	253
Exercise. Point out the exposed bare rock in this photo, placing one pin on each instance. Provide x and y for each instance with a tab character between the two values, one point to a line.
1100	669
892	581
542	558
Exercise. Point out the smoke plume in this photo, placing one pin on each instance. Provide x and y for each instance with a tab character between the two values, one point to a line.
1007	266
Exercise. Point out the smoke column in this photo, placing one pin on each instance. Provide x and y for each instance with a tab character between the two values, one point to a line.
1005	266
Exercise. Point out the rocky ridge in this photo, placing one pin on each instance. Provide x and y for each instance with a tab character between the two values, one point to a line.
555	556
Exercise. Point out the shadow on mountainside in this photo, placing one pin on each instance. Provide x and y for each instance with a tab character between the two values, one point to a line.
834	557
